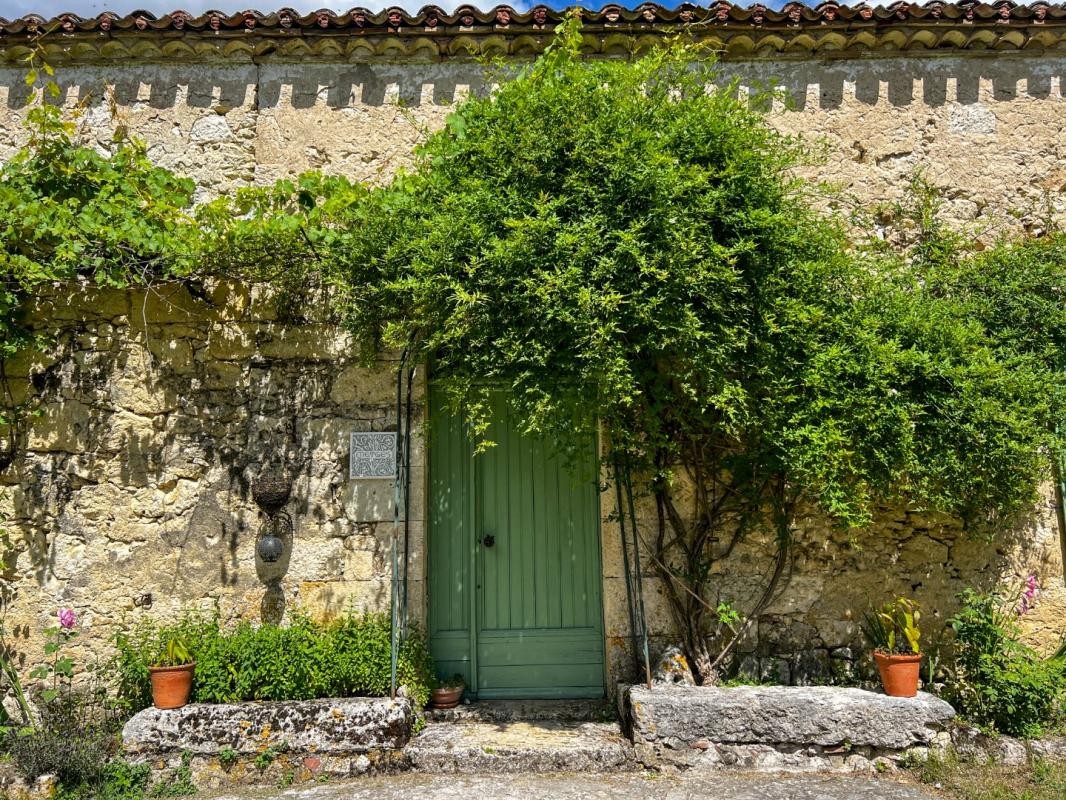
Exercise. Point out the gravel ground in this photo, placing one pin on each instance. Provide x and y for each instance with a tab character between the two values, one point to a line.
631	786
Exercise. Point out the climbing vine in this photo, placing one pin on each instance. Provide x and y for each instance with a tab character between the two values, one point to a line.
625	250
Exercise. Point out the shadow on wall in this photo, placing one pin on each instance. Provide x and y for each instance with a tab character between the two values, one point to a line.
905	81
898	81
298	87
156	418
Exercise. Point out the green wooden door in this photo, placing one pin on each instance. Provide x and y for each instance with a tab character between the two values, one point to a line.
525	528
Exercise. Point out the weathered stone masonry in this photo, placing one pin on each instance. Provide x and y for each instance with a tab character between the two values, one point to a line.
132	496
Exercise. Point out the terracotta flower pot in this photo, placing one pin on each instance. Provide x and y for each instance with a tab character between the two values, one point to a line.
899	673
171	686
446	697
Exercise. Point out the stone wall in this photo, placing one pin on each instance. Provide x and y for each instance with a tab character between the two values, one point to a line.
159	407
810	634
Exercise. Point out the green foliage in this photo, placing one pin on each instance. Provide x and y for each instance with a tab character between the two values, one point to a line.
70	215
622	249
227	757
456	681
997	681
73	739
893	629
70	212
118	780
983	335
265	758
13	684
618	246
175	653
177	783
301	661
968	780
121	780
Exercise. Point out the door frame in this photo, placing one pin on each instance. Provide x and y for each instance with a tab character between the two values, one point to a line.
472	548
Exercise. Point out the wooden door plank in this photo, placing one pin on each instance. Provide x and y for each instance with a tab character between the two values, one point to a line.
541	676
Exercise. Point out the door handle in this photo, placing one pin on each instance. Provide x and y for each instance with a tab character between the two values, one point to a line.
489	540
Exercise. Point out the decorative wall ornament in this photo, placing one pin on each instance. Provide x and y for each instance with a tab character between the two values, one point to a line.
373	455
271	493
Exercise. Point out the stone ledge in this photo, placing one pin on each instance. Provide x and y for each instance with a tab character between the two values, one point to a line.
687	725
526	746
335	727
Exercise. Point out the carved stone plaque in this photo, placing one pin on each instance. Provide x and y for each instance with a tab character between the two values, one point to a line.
373	455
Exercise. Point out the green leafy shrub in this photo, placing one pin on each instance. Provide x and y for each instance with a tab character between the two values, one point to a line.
301	661
118	780
997	681
73	739
625	250
75	731
178	782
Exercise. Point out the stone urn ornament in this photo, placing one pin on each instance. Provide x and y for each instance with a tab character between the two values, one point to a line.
172	675
447	694
893	632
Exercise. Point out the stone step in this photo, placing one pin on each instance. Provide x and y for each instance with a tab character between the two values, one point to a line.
526	746
527	710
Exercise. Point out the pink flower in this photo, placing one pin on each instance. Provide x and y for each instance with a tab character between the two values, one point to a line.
1032	589
66	618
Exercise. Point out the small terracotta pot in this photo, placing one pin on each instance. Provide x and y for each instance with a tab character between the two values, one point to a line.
446	698
899	673
171	686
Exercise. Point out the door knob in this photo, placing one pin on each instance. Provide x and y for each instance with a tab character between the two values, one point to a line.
489	540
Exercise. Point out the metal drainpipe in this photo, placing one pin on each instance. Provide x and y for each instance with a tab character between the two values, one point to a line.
398	602
1060	507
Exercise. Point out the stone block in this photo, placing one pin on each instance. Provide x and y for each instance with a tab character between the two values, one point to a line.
356	385
324	727
810	667
785	715
326	600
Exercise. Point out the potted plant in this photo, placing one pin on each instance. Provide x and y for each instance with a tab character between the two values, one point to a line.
172	675
893	633
448	693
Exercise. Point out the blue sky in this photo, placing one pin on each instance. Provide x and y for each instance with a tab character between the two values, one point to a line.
88	8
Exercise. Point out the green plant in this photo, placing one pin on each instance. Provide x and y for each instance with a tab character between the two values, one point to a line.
969	780
74	738
893	629
57	672
303	660
227	757
286	780
178	782
265	758
119	780
75	730
995	680
13	682
456	681
623	250
174	654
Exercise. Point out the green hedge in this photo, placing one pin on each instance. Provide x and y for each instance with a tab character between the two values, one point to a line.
301	661
997	681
